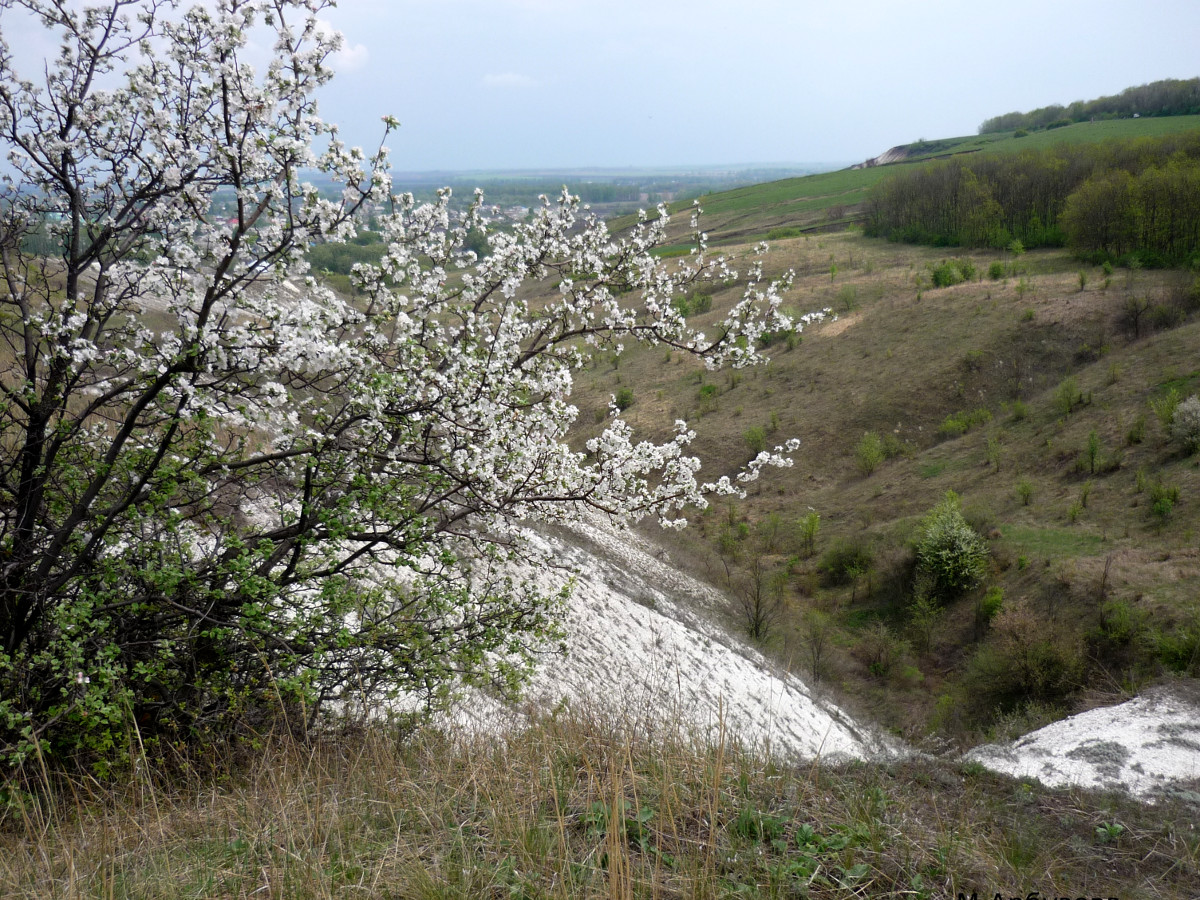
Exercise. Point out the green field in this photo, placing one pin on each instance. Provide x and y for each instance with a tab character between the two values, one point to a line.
1078	133
749	213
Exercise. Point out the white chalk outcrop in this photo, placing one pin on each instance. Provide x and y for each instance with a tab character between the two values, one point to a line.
643	640
1148	746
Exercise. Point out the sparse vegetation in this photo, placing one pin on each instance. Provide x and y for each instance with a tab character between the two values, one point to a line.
574	806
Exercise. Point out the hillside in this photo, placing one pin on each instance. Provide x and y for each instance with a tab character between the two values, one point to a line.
995	389
932	658
832	200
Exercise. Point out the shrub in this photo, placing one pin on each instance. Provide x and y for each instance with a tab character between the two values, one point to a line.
924	616
1163	498
694	304
959	423
807	529
994	452
771	338
1122	627
1162	316
1185	424
1164	406
1137	431
1179	650
779	234
847	298
756	438
987	609
623	399
1067	395
845	562
951	556
1090	459
1025	491
952	272
1026	659
996	270
868	453
880	649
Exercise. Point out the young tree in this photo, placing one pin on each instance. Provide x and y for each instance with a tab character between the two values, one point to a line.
951	556
220	482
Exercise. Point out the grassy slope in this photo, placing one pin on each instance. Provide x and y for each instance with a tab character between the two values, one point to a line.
580	807
750	213
899	361
531	814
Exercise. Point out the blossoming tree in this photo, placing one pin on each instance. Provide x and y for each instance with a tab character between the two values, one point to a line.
221	482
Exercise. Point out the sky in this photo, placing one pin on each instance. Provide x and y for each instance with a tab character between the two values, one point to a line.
498	84
536	84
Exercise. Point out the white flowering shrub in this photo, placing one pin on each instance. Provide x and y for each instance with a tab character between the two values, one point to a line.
1185	424
219	481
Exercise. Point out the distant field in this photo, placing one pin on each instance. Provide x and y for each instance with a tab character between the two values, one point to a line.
748	213
1079	133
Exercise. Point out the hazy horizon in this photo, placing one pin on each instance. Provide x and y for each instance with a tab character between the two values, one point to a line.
511	85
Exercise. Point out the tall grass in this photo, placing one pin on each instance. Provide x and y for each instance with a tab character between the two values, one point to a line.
577	805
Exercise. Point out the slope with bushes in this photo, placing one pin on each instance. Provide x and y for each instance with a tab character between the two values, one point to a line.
1040	390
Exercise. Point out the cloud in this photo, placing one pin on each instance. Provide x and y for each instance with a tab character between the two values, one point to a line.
508	81
351	57
348	57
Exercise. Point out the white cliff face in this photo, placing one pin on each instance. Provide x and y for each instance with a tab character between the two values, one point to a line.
643	643
1148	746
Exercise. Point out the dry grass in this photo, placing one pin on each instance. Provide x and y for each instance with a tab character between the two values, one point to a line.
578	806
900	359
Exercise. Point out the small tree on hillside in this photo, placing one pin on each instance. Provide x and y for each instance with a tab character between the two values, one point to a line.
220	482
1185	424
759	591
951	556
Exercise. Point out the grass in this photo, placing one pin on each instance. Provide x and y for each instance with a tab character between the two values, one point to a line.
1083	133
806	203
579	805
1052	543
588	806
895	365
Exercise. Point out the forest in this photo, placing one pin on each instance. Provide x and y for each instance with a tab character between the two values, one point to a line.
1119	201
1170	97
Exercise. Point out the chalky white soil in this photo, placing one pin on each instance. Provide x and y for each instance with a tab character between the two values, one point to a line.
1148	746
643	644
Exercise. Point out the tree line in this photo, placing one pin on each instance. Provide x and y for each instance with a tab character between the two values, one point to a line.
1170	97
1124	198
